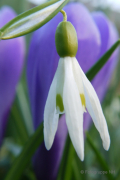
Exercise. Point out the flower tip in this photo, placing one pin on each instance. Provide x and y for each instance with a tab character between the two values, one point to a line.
47	141
106	144
82	158
47	145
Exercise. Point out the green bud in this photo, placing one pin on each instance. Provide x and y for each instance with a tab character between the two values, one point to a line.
66	39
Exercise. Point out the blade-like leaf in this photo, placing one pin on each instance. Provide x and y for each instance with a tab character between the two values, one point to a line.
76	170
23	106
32	19
100	159
65	170
117	177
19	124
23	159
100	63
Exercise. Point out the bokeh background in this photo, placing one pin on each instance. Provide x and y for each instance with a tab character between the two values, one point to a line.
12	144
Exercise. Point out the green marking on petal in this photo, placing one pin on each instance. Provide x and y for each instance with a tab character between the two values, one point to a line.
0	35
82	97
59	102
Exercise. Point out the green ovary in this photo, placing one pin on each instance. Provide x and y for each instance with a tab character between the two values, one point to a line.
66	39
83	100
59	102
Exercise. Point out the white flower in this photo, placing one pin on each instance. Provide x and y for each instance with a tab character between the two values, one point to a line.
71	93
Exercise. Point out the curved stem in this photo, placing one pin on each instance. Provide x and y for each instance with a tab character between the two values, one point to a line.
64	15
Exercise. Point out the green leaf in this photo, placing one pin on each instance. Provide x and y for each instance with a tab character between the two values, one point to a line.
24	108
100	159
65	170
79	166
100	63
76	170
24	158
117	177
32	19
19	124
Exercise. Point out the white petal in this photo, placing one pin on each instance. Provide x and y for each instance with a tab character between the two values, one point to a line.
50	115
38	2
78	78
30	20
60	82
73	109
95	110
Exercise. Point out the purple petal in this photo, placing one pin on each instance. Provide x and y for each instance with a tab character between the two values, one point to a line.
109	36
11	62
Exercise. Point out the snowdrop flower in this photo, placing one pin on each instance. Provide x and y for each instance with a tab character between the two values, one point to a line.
71	93
43	58
93	42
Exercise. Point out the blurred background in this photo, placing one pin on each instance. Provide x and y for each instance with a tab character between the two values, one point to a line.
12	144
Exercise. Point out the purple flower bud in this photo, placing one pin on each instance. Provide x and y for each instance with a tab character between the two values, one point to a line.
11	62
42	64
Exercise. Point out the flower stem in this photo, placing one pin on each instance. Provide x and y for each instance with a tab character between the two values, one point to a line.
64	15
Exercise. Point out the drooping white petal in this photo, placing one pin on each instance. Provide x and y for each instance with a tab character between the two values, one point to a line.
94	108
78	80
60	83
50	115
73	109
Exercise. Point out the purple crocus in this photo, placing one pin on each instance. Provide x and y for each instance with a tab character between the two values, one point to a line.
42	64
11	62
109	36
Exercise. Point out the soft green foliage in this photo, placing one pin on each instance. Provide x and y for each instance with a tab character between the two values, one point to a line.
24	158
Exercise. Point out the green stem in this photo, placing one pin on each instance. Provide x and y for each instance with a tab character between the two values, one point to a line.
64	15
